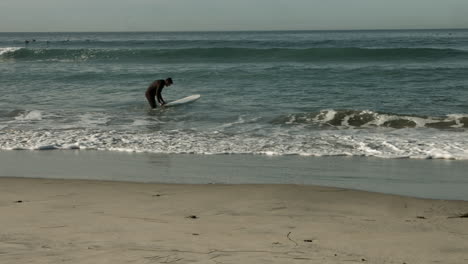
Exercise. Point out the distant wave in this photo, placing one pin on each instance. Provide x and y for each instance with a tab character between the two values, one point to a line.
233	54
8	50
369	119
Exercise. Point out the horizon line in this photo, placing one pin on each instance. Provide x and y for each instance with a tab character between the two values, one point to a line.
246	30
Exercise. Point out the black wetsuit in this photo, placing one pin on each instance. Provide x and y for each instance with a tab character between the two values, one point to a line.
154	90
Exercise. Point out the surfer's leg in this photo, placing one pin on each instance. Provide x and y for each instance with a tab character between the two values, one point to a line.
151	100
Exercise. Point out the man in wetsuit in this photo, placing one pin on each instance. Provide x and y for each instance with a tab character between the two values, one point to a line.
154	90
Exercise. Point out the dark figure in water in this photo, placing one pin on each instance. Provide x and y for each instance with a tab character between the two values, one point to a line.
155	89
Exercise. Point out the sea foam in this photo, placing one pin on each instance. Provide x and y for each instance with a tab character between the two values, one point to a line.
31	115
404	143
8	50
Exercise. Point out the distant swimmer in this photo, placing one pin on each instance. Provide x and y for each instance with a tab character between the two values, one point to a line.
154	90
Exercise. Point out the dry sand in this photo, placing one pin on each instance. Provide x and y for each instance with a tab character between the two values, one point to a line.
69	221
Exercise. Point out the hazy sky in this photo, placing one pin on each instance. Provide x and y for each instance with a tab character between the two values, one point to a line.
188	15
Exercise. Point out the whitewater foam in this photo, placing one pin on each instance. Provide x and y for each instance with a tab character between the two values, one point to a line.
8	50
401	144
31	115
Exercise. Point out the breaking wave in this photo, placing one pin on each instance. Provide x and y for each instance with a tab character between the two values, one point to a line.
343	119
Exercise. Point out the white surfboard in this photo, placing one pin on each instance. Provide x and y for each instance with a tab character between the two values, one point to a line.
184	100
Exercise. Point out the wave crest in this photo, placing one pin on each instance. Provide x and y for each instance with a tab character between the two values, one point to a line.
233	54
369	119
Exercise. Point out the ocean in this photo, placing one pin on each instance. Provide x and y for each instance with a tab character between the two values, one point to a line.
384	94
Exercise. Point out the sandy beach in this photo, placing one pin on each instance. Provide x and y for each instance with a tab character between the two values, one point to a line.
78	221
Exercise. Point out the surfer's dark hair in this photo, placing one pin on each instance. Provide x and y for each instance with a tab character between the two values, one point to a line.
169	80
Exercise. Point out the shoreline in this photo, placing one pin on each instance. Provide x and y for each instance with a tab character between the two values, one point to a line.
435	179
82	221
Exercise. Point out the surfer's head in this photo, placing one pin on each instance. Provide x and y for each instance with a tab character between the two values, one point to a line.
168	81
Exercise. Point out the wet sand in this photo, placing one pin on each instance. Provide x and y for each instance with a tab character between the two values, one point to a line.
78	221
435	179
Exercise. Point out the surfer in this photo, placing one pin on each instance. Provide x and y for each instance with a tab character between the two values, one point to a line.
155	89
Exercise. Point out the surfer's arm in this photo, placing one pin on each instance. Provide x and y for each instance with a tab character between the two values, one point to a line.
159	96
